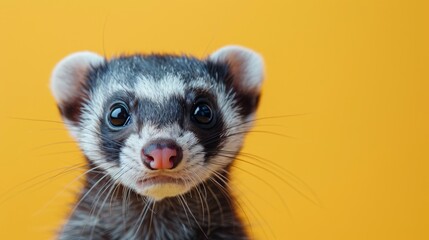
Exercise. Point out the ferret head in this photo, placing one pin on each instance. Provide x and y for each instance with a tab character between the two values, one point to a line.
159	124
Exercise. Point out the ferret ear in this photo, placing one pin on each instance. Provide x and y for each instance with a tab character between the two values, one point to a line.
70	74
68	80
245	65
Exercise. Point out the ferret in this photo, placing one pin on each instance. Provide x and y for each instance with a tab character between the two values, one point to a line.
159	133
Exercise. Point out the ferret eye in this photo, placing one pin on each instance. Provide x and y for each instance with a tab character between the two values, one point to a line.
203	115
119	115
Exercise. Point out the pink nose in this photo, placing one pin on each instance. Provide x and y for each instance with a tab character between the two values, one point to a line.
162	154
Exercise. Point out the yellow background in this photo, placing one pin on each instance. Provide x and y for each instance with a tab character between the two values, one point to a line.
355	71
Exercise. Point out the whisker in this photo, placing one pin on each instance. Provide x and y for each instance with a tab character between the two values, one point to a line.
293	176
80	176
263	181
65	170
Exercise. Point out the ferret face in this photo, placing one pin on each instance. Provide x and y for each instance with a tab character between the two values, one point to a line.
159	124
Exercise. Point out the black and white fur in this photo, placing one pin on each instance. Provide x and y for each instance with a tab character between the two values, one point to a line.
160	91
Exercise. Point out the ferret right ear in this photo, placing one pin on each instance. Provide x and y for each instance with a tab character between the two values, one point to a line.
245	66
68	81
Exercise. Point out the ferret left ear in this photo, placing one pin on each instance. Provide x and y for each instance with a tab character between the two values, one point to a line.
69	75
68	82
245	65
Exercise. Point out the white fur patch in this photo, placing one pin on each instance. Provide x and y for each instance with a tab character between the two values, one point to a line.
160	191
161	89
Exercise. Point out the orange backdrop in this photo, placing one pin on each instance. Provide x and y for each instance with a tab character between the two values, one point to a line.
355	72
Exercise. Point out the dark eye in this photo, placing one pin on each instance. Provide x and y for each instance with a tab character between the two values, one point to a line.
119	115
203	114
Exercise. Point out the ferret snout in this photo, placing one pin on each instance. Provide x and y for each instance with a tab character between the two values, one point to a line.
161	154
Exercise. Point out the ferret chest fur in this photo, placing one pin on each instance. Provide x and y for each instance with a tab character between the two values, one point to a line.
159	133
202	213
